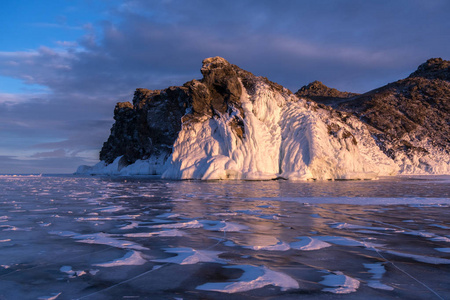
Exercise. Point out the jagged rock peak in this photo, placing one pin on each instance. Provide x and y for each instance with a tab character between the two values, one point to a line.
216	62
434	68
319	92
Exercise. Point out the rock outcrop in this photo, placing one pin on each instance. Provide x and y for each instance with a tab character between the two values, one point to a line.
320	93
232	124
410	118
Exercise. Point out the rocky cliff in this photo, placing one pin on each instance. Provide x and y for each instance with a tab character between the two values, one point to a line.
232	124
410	118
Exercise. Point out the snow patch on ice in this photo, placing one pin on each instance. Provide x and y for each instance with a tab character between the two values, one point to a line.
52	297
273	244
100	238
189	256
223	226
161	233
132	258
445	250
307	243
377	269
72	274
344	241
340	283
421	258
353	226
189	224
440	226
253	278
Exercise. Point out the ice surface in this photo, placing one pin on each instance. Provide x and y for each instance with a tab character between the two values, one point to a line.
253	278
107	236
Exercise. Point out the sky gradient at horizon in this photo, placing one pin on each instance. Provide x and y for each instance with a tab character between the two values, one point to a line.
64	64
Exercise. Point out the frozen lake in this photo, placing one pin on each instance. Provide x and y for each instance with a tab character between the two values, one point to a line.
66	237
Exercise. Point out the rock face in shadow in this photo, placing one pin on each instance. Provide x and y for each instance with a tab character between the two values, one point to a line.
147	127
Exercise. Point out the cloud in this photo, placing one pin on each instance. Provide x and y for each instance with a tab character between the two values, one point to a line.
350	45
50	154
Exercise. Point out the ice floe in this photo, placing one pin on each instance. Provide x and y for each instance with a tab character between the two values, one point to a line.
253	278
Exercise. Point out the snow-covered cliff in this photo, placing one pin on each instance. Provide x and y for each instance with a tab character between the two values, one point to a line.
234	125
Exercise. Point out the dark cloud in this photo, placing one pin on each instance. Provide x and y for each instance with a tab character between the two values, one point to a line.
351	45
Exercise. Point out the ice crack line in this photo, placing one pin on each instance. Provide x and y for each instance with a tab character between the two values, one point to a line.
145	273
403	271
56	263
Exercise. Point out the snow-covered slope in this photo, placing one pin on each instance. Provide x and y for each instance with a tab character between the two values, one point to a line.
239	126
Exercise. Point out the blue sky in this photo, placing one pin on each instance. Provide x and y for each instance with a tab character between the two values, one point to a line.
64	64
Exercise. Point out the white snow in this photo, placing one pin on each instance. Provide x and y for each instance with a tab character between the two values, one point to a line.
307	243
161	233
189	224
189	256
445	250
100	238
377	269
131	258
253	278
269	243
52	297
340	283
344	241
421	258
223	226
